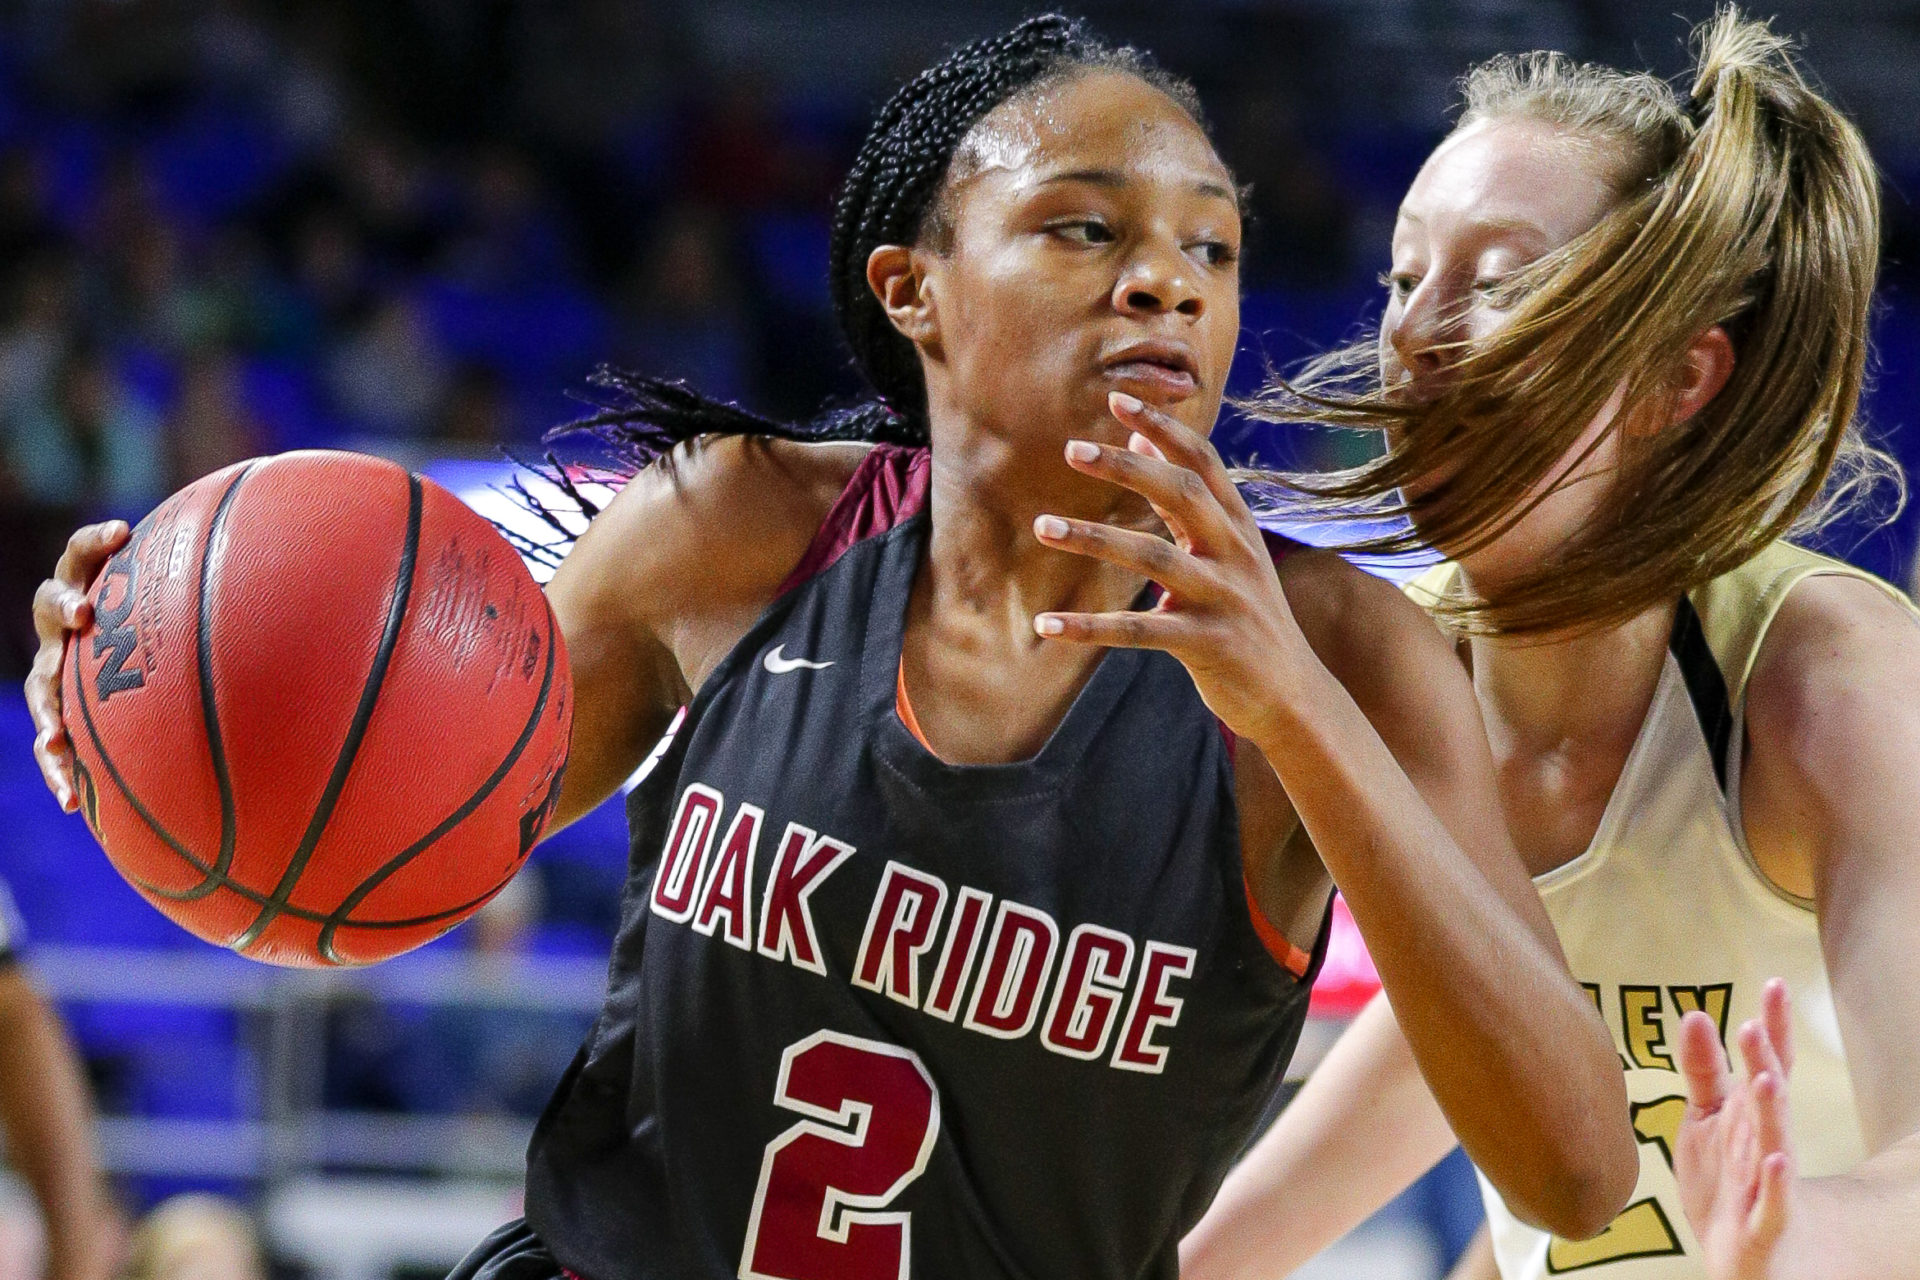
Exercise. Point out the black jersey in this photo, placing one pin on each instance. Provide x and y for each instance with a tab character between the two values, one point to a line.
873	1015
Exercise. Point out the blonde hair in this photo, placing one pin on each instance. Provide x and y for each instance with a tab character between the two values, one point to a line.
195	1237
1754	206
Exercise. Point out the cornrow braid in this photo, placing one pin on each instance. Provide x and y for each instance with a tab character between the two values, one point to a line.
892	195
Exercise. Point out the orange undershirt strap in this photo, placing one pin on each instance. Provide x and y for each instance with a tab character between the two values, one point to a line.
1292	958
904	709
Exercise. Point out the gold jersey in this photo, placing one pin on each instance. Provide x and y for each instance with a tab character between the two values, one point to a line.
1666	911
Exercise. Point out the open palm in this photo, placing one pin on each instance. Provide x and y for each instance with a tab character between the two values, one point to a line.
1734	1155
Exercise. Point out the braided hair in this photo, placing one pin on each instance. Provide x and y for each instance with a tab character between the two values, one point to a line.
892	195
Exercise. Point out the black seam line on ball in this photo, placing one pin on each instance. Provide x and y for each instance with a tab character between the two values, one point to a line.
209	710
212	878
326	952
225	881
452	820
356	731
309	916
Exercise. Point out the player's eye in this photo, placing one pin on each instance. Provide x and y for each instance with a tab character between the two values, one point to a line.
1217	253
1399	283
1083	231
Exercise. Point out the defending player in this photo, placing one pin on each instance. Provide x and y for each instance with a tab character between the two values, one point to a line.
1621	355
951	949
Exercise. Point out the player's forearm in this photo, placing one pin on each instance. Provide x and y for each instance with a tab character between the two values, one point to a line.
1362	1128
1507	1042
47	1116
1859	1225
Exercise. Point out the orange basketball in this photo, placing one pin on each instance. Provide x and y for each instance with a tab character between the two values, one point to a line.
321	713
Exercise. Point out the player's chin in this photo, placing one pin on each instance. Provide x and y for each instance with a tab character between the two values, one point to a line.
1430	506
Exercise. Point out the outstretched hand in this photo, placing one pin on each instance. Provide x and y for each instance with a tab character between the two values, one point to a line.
1221	612
1734	1156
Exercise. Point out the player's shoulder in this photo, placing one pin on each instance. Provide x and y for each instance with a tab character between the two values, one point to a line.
1397	666
1832	731
1840	657
1353	618
718	522
753	484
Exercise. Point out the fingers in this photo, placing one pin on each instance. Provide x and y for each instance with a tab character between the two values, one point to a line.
1756	1050
1150	629
60	603
1770	1113
51	750
90	547
1768	1217
1175	469
56	769
1179	496
1768	1081
1177	442
1703	1064
1141	553
1776	1014
1138	443
58	608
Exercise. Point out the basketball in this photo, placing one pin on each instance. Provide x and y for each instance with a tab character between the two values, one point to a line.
322	710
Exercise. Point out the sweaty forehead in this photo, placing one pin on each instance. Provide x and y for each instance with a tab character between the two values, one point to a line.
1516	172
1094	120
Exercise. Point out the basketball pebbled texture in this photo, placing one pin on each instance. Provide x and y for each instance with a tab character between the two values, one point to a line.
322	711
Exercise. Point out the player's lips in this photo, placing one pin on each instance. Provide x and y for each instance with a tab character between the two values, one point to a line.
1158	370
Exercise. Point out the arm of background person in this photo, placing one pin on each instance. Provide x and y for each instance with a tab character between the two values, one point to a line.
1361	1129
1476	1261
1834	719
47	1115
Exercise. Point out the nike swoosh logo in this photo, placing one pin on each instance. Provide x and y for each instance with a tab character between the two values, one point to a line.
780	666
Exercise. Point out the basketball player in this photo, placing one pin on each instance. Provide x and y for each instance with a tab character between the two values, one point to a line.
1621	355
976	900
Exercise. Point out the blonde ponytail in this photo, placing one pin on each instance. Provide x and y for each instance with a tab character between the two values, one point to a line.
1753	205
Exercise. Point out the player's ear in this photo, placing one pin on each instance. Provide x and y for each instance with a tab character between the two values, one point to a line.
1704	370
898	276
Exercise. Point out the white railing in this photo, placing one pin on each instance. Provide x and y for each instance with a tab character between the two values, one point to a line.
291	1132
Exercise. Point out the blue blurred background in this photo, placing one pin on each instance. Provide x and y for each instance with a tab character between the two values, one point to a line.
410	226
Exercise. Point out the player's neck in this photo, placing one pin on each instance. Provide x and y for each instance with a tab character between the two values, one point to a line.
983	557
985	688
1591	689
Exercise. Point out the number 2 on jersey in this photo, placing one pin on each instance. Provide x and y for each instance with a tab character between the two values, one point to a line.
819	1212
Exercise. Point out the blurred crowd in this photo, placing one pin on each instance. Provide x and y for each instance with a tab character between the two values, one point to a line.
234	228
